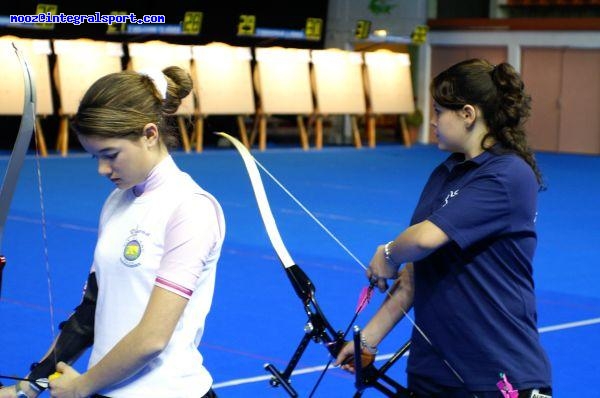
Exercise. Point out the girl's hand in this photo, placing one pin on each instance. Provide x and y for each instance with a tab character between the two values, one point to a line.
66	385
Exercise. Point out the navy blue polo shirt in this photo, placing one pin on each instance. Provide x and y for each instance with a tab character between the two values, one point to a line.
474	297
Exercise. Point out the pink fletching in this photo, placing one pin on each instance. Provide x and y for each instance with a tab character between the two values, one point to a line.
506	388
364	298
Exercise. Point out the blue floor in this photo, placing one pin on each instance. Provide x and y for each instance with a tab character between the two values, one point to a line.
364	197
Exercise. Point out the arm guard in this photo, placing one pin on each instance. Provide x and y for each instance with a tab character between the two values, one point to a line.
76	335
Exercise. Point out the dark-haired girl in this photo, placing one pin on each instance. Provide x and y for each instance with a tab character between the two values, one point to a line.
465	263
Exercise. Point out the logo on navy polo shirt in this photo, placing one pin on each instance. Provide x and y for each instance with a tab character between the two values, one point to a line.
133	248
450	196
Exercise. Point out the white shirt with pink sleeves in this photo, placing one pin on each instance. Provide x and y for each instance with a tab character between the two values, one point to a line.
166	233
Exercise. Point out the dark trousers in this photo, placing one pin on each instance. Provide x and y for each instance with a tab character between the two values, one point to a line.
422	387
210	394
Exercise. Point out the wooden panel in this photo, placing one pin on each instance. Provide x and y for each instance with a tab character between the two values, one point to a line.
580	101
388	82
551	3
494	54
158	55
36	53
224	79
284	80
79	63
544	24
338	82
443	57
541	71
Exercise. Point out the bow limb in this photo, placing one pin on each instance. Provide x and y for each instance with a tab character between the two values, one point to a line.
19	150
9	183
301	283
263	203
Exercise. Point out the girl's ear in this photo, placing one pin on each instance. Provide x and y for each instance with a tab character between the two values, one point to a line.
150	133
469	114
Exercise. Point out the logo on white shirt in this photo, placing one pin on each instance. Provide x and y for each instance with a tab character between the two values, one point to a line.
133	248
450	195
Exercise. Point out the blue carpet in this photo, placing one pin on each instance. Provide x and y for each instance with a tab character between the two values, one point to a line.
364	197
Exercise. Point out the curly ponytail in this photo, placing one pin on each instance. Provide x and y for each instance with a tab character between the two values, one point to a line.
499	92
119	105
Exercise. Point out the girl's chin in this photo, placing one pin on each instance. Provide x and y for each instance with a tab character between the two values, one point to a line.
123	185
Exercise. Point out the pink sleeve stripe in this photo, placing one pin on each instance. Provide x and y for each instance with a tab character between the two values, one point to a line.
175	288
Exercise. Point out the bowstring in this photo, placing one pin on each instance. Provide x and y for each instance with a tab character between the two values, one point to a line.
310	214
342	245
45	241
357	260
